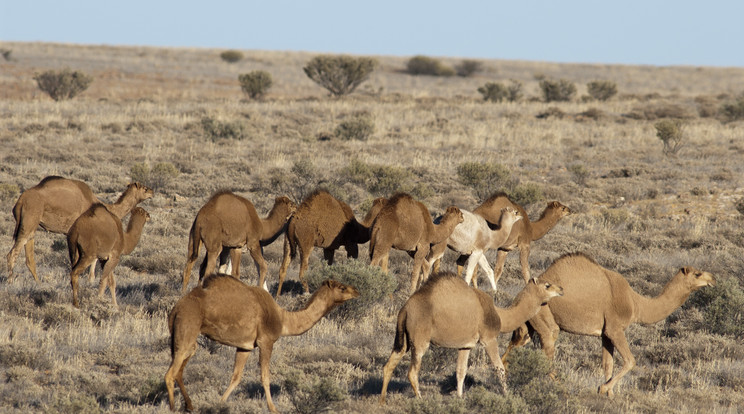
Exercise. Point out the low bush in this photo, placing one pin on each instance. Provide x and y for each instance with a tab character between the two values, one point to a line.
468	67
424	65
671	134
723	307
64	84
232	56
215	129
580	173
733	111
481	400
340	75
158	177
311	394
373	284
484	178
525	365
299	184
359	127
9	192
493	92
256	83
524	194
601	90
561	90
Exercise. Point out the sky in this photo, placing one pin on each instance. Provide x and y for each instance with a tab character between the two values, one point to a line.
648	32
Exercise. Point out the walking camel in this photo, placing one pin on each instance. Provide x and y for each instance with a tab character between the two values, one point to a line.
323	221
447	312
473	237
600	302
54	204
225	224
405	224
230	312
98	235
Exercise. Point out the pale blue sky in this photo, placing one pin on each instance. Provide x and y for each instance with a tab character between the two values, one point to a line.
682	32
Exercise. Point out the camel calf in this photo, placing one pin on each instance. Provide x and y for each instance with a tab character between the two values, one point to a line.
230	312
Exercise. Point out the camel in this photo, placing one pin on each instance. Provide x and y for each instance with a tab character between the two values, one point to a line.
473	237
405	224
225	224
324	221
448	312
54	204
98	235
230	312
600	302
523	233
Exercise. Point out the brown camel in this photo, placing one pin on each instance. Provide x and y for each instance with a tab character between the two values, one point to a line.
473	237
98	235
600	302
54	204
405	224
522	234
230	312
449	313
225	224
324	221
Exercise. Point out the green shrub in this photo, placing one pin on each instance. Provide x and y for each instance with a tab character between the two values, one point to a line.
302	181
493	91
734	111
580	173
340	75
436	404
9	192
468	67
525	365
723	307
359	127
424	65
256	83
358	172
671	134
481	400
601	90
373	284
215	129
525	194
388	179
64	84
232	56
157	177
310	394
514	90
483	178
557	91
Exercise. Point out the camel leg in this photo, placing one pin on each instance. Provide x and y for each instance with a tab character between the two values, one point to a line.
352	251
92	275
235	262
209	264
498	268
304	264
257	255
30	259
240	359
470	265
191	256
264	357
418	262
107	278
544	324
387	370
492	349
328	255
434	258
417	353
286	260
617	338
524	260
462	369
483	264
520	337
181	356
78	268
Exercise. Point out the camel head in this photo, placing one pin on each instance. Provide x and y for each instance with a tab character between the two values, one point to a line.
340	292
559	208
139	211
696	279
544	290
287	206
141	192
510	214
454	211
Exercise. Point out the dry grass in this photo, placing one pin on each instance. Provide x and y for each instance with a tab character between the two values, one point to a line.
637	211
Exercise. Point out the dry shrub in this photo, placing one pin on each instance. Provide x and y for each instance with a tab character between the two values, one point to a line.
651	112
9	192
232	56
671	134
468	67
733	111
601	90
256	83
552	112
424	65
215	129
340	75
359	127
484	178
310	394
64	84
561	90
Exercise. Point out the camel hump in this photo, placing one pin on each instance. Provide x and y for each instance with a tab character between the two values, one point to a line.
50	178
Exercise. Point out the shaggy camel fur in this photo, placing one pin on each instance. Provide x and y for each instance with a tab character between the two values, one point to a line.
447	312
230	312
600	302
54	204
405	224
523	233
473	237
225	224
98	235
324	221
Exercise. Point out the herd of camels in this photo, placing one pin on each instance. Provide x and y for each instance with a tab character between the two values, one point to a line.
575	294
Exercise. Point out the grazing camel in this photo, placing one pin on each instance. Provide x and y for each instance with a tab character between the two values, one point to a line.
54	204
98	235
523	233
473	237
324	221
225	224
405	224
447	312
600	302
230	312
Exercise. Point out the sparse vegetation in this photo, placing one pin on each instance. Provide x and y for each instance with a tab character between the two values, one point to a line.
158	177
734	111
601	90
424	65
64	84
484	178
255	84
6	54
359	127
493	91
340	75
215	129
232	56
468	67
561	90
671	134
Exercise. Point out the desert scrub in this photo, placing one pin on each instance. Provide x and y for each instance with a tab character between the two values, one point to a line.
561	90
493	91
64	84
358	127
158	177
379	180
468	67
481	400
733	111
373	284
310	394
424	65
723	307
524	194
232	56
601	90
579	172
256	83
340	75
671	134
215	129
484	178
299	184
9	192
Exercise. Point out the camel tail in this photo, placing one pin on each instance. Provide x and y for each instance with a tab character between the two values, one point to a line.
373	241
401	333
290	240
171	330
17	214
194	242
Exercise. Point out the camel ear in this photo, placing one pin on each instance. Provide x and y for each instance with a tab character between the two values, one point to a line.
533	281
686	270
330	283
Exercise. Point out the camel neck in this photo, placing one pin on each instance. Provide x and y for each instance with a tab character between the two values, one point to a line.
133	233
273	225
122	206
541	227
651	310
297	323
522	309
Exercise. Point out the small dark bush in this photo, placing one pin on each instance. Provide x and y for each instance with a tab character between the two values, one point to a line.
552	112
256	83
484	178
9	192
468	68
580	173
493	91
526	364
303	180
157	177
310	395
340	75
514	90
525	194
671	134
601	90
561	90
739	205
359	128
64	84
481	400
373	284
6	54
723	307
232	56
734	111
215	129
424	65
655	111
